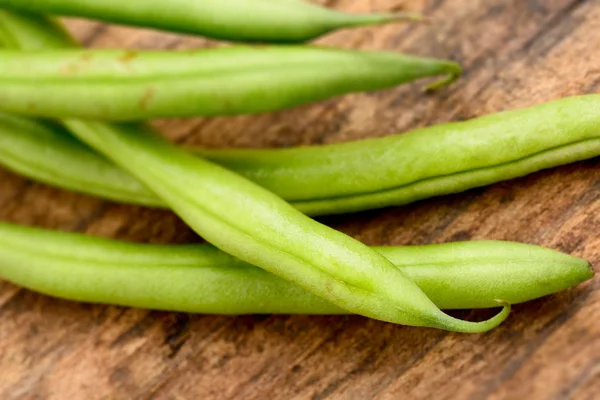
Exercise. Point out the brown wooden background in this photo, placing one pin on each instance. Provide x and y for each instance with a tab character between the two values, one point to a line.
515	53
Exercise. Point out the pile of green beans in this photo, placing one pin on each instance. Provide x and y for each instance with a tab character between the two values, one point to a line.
202	279
274	21
332	179
235	198
273	235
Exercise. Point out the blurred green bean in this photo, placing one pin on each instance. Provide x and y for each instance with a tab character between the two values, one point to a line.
276	21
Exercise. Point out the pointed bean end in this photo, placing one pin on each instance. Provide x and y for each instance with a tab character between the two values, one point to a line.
591	270
454	72
457	325
580	271
385	18
409	17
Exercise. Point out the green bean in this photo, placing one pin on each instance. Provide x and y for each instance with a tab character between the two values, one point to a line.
254	225
331	179
201	279
41	150
123	85
280	21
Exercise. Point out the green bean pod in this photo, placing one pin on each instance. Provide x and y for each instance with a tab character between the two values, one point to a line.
123	85
275	21
254	225
201	279
41	150
331	179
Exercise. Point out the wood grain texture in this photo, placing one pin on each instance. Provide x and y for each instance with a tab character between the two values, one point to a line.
515	53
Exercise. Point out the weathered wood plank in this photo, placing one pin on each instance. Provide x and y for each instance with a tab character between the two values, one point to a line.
515	53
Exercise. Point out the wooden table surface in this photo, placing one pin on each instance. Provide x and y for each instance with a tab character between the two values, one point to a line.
515	53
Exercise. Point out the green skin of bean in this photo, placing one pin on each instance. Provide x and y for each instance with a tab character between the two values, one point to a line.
202	279
254	225
331	179
275	21
127	85
122	85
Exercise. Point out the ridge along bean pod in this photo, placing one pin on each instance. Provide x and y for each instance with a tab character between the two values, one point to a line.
123	85
254	225
275	21
331	179
201	279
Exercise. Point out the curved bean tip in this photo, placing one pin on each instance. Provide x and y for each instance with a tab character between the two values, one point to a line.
454	72
458	325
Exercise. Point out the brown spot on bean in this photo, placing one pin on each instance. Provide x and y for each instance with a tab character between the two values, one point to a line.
69	69
128	56
86	56
147	97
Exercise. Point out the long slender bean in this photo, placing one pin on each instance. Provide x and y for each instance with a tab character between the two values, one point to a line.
122	85
201	279
332	179
254	225
237	20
